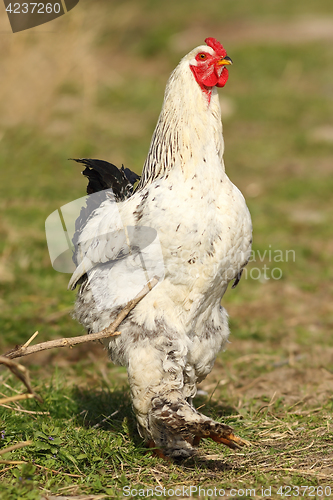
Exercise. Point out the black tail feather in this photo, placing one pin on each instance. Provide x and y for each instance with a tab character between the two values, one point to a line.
104	175
131	176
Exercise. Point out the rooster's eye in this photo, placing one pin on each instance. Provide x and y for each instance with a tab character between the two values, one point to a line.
202	56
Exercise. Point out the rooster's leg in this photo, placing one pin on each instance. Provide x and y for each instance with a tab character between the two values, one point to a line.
174	421
160	395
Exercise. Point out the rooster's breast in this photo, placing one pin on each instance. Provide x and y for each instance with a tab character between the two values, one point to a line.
204	232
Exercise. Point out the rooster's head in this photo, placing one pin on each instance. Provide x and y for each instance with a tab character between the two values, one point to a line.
208	65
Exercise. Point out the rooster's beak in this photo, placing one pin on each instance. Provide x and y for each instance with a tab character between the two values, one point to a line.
223	62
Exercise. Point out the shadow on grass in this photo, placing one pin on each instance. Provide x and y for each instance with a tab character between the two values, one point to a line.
107	409
213	409
217	465
110	410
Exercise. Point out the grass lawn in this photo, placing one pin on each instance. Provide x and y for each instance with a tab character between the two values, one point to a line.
90	84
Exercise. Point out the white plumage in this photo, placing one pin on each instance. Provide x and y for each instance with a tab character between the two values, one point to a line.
170	340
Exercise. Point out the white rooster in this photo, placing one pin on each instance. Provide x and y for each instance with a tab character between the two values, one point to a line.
170	340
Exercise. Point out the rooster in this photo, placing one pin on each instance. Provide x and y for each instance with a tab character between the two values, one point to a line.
170	340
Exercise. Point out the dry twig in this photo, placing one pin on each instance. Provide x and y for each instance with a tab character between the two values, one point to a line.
22	373
18	397
16	446
12	448
110	331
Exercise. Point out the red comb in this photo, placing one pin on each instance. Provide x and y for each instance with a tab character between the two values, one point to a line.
217	46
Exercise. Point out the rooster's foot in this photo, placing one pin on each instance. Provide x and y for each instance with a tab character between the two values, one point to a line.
230	440
156	452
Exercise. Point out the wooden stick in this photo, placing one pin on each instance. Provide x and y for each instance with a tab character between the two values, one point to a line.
22	373
31	339
110	331
15	447
11	462
18	397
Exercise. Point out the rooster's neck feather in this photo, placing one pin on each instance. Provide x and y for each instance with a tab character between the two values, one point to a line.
188	127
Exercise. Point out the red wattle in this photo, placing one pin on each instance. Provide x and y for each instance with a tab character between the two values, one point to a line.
210	81
223	78
208	76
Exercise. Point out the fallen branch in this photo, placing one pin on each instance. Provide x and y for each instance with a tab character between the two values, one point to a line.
22	373
18	397
11	462
110	331
15	447
12	448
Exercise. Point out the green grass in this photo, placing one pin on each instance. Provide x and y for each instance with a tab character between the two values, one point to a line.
77	448
96	90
